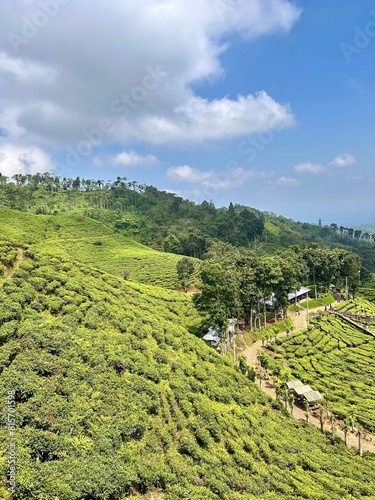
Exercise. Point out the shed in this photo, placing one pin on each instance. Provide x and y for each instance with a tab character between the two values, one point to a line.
301	390
212	338
294	383
312	396
302	293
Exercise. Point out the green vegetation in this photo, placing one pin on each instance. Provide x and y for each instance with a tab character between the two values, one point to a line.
168	222
338	360
322	301
357	306
368	290
92	243
114	396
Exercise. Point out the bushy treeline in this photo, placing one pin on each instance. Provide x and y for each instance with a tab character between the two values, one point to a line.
115	397
237	283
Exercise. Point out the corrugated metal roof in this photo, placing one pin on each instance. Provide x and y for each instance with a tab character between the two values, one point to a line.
301	390
298	293
312	396
211	338
294	383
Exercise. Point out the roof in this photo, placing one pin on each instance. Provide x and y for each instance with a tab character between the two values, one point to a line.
313	396
294	383
301	390
302	291
211	338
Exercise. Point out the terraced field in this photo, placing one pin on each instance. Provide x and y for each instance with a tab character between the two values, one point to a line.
360	307
338	360
90	242
368	291
357	306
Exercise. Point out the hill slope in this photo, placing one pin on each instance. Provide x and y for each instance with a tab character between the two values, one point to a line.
337	359
90	242
114	396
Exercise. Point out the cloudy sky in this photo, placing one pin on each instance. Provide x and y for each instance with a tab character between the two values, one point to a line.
267	103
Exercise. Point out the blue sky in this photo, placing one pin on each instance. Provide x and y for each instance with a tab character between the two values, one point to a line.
266	103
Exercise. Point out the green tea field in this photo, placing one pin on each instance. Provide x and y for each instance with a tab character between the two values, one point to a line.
90	242
338	360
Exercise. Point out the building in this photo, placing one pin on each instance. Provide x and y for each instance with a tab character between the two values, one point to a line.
304	394
212	337
293	297
298	295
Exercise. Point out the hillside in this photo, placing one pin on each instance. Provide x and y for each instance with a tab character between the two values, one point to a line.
115	397
168	222
90	242
336	358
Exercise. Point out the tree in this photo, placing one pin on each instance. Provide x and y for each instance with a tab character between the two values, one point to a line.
218	299
185	270
321	418
291	402
360	436
332	419
172	244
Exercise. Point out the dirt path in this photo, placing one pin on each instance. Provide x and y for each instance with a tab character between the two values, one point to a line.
10	270
250	352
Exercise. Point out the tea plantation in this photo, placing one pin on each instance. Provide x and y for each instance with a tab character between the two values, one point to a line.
115	398
92	243
337	359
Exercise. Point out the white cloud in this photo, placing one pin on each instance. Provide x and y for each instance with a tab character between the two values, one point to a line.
199	119
127	159
343	160
57	86
218	180
18	159
24	70
314	168
287	181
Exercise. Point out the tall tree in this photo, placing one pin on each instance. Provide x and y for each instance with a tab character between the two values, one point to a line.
185	270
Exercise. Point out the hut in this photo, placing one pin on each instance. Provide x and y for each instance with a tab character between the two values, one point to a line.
304	394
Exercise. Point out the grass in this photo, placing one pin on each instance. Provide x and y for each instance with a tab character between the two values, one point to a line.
323	301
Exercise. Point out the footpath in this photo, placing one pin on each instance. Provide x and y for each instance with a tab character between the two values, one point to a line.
251	352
